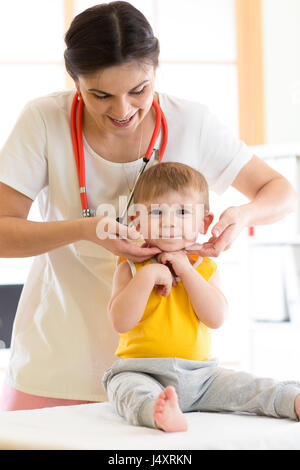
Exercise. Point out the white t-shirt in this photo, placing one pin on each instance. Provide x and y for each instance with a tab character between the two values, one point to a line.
62	338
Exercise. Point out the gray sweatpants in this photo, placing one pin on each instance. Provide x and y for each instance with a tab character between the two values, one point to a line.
133	385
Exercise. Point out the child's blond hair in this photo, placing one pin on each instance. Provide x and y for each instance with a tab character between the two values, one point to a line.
170	176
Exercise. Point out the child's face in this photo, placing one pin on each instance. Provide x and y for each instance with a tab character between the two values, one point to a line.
173	221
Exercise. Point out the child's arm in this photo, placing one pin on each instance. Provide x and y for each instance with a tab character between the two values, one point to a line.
208	301
130	294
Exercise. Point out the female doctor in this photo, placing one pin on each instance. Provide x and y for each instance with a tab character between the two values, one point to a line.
62	341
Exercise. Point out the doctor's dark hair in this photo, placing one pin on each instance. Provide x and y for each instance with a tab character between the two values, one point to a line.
162	178
106	35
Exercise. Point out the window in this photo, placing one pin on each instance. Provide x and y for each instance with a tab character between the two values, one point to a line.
31	60
204	56
198	59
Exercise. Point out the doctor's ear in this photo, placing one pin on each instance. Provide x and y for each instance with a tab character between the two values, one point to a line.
77	87
208	218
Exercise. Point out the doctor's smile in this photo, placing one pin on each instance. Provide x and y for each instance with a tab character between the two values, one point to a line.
122	122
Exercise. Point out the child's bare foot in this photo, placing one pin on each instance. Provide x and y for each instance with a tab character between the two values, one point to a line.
167	414
297	406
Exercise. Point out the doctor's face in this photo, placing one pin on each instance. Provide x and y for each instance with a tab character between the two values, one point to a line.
118	98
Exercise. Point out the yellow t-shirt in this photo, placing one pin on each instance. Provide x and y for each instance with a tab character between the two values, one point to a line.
169	326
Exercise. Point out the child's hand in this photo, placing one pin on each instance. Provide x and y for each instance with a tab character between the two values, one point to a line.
163	279
177	260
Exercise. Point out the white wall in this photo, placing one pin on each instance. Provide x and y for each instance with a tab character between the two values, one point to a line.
281	19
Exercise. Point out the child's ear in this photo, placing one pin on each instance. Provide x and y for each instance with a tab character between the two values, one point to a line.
208	218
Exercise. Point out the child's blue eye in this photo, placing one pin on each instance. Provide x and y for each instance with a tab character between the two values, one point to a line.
155	212
183	212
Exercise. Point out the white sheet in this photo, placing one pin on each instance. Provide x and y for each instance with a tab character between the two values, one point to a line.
96	426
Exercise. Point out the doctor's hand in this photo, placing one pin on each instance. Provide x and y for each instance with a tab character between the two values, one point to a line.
117	238
231	223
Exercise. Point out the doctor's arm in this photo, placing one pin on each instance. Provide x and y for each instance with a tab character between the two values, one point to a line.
271	198
20	237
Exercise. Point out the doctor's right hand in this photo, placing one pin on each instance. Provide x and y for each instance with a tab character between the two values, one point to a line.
117	238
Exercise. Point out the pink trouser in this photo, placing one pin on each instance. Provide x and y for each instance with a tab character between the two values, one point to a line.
13	400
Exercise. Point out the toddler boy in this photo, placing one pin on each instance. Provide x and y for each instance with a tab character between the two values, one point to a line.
164	310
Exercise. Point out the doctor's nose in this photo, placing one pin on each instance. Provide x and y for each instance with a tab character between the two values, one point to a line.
120	109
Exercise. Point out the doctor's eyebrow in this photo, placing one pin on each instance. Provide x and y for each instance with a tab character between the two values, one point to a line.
109	94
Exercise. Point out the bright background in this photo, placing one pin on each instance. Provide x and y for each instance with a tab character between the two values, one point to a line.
199	61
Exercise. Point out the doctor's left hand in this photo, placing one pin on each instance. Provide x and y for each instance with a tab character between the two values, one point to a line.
115	237
231	223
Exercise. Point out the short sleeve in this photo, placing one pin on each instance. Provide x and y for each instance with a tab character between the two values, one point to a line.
222	154
207	268
23	160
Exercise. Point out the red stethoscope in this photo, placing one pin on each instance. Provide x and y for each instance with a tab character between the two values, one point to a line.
76	132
